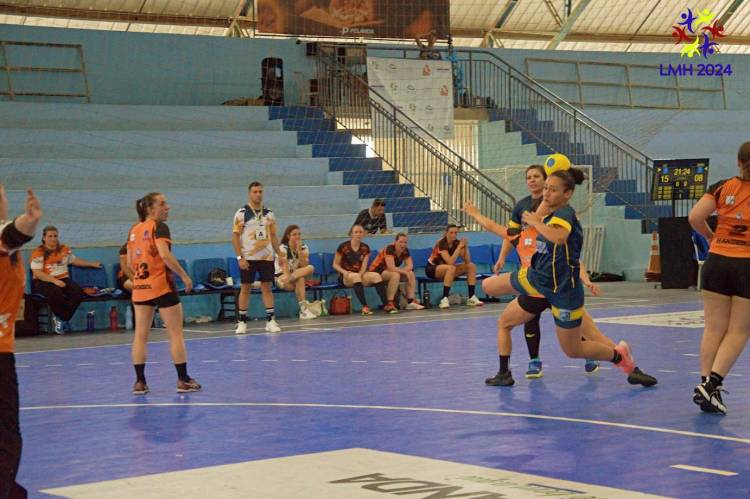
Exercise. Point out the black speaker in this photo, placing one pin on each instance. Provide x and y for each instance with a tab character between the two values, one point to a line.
272	81
311	49
679	270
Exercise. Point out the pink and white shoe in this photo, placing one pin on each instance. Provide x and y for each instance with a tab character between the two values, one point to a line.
627	364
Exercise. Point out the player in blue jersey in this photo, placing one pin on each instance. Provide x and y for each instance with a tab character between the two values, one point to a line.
555	274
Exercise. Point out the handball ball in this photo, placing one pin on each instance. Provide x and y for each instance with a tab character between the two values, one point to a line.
556	162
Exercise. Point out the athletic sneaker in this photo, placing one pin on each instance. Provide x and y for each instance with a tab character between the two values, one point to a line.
627	364
415	305
187	386
241	328
535	369
390	308
444	303
500	379
591	366
306	314
638	377
366	310
709	398
59	326
272	326
140	388
474	302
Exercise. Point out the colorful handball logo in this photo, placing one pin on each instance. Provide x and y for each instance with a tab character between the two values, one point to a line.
697	34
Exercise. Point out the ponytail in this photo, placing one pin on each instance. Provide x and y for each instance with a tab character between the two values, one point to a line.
142	205
570	177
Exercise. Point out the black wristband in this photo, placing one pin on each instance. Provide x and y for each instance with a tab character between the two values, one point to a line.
12	238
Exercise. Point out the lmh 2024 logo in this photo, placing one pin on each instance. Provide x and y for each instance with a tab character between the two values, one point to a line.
697	35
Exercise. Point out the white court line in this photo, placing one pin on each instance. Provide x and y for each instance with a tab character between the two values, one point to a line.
22	365
691	355
53	365
116	363
209	361
595	422
239	360
299	360
666	371
269	360
703	470
330	361
447	363
86	364
359	361
418	362
260	331
388	361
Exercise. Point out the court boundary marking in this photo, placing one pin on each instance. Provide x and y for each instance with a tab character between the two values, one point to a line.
351	323
542	417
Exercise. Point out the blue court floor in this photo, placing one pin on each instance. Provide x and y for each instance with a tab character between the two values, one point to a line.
410	385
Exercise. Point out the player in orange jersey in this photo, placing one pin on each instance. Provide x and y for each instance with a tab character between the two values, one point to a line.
726	280
13	235
151	260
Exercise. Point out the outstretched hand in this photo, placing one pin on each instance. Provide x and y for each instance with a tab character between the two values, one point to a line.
471	210
3	204
33	206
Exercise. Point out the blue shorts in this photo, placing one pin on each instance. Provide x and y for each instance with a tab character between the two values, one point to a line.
567	306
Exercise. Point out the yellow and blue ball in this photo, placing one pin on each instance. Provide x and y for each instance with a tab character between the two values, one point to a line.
556	162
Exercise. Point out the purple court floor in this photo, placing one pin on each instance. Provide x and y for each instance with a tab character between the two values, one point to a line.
386	398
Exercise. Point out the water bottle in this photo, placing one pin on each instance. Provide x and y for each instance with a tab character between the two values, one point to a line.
157	320
90	321
113	326
129	317
426	299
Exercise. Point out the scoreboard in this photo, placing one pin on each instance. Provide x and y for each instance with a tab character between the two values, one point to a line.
679	179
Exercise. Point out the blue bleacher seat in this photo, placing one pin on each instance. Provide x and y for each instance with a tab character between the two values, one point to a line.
482	257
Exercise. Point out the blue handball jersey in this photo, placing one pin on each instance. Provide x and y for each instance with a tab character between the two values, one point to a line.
556	266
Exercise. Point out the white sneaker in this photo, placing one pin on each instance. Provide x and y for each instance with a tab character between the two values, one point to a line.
272	327
415	305
306	314
474	302
241	328
444	303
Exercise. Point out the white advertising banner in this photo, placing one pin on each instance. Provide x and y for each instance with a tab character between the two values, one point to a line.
423	90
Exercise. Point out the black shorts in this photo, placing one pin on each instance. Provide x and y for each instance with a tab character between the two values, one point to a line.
727	275
166	300
429	270
532	304
265	270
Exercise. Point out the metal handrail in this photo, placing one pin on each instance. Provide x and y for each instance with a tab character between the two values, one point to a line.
413	152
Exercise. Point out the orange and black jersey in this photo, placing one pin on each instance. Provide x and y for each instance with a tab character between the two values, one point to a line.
151	277
351	260
54	263
12	281
526	242
378	265
732	235
435	257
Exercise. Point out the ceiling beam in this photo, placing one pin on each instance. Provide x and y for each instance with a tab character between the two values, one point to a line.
114	15
502	18
587	37
552	10
733	7
568	26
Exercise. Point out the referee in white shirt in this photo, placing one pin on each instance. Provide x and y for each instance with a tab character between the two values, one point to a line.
254	240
